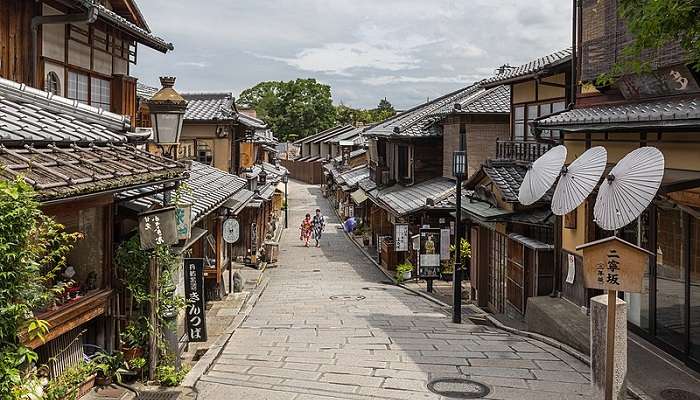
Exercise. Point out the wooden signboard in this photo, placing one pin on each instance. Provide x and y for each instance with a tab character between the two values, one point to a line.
246	154
158	227
614	264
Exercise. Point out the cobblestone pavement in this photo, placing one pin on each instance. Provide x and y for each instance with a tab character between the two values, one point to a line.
327	328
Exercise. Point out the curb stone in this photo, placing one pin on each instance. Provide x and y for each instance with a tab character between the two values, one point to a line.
204	364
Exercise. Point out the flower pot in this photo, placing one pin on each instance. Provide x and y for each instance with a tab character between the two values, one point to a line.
102	380
131	353
86	386
407	275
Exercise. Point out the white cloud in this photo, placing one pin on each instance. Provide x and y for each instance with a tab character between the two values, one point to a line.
193	64
392	79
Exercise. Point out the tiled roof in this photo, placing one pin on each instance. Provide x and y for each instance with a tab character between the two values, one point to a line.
211	188
529	69
328	137
142	35
63	172
367	184
354	134
251	122
350	177
274	173
494	100
326	133
401	200
508	175
209	106
415	122
32	115
666	112
265	136
144	91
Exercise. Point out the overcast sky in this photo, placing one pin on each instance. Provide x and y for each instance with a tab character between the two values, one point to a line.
404	50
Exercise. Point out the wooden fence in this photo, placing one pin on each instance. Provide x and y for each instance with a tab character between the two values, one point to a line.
309	172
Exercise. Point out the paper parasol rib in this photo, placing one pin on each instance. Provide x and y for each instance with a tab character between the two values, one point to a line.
579	180
541	175
629	188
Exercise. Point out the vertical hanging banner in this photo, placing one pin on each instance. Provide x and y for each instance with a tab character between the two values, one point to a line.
183	214
429	253
444	244
401	237
194	294
158	227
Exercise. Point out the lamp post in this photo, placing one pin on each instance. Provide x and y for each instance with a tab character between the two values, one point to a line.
459	168
285	180
167	109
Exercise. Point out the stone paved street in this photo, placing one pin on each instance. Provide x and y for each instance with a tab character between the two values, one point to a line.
326	327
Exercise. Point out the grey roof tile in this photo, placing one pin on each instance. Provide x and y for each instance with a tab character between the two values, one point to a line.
144	91
669	112
142	35
211	188
417	121
530	68
251	122
328	133
401	200
209	106
494	100
32	115
508	175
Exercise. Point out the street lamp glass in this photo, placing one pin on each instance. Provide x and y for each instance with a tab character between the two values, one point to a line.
285	178
167	127
459	163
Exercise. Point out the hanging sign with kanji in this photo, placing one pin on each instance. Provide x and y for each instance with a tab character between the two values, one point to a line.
194	294
158	227
401	234
614	264
183	214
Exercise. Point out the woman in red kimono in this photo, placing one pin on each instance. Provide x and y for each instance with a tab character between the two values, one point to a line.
306	228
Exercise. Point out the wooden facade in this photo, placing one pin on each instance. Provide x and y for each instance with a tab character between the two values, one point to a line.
16	39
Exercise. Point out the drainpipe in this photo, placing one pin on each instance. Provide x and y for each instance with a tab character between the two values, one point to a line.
89	16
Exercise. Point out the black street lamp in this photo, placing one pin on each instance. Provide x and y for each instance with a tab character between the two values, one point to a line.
459	170
285	180
167	109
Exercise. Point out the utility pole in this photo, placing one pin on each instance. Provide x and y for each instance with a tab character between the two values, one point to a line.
459	169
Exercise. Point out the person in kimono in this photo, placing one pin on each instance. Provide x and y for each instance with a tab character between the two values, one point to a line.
319	224
306	228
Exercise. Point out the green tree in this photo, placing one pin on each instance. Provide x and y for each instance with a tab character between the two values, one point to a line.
355	116
383	111
33	248
654	24
297	108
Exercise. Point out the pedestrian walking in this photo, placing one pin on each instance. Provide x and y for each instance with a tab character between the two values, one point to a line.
319	224
306	228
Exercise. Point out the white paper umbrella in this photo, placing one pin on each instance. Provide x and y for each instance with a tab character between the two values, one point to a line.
541	175
629	188
578	180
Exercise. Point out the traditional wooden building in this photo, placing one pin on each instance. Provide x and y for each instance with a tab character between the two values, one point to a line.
513	247
659	108
410	158
77	157
80	50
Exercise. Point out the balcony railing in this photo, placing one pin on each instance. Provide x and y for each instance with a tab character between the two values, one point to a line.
520	150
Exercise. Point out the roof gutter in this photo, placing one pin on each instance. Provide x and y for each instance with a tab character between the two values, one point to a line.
88	17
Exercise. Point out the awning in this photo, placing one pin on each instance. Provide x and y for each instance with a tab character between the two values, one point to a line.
254	204
197	233
481	210
529	242
358	196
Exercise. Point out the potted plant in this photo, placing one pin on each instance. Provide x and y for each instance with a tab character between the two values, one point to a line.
403	271
109	367
73	383
134	338
137	366
465	252
447	269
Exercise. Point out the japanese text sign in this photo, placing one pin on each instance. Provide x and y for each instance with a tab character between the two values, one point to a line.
194	295
158	227
401	237
613	264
